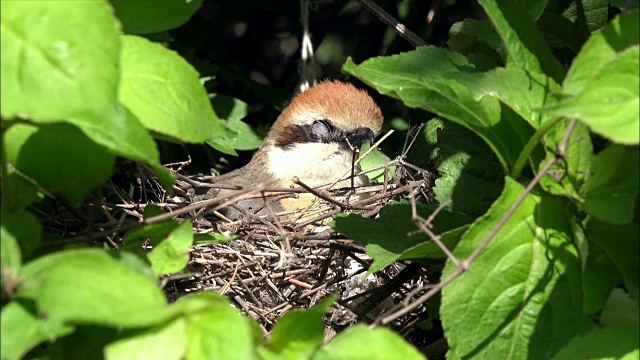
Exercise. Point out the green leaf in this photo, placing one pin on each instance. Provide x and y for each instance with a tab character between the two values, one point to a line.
600	276
610	193
60	158
470	174
360	342
165	341
212	238
525	45
19	229
165	93
219	332
172	254
477	36
606	343
520	298
588	14
621	33
609	101
618	242
300	332
374	159
620	310
394	235
423	79
239	135
22	329
56	73
560	31
53	69
89	286
578	159
521	90
150	16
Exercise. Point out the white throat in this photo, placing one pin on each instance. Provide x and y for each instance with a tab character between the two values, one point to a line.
312	163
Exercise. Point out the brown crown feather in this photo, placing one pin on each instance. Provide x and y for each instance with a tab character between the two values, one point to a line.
346	106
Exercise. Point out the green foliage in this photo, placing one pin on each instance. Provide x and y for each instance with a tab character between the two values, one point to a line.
559	280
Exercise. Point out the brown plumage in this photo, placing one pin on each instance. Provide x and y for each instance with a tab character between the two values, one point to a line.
311	139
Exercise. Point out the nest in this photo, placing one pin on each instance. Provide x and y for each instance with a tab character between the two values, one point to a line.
271	266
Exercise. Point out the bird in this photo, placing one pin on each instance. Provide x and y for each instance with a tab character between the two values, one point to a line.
312	141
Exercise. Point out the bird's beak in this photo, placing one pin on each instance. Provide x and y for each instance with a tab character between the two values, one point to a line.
359	136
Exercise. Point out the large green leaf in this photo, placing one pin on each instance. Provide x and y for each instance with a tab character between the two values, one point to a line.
59	158
53	68
620	310
164	92
361	342
610	193
521	90
423	78
477	37
53	71
525	45
149	16
520	299
394	235
601	48
609	102
590	15
89	286
300	332
600	276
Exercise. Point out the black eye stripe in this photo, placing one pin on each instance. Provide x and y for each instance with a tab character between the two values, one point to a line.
302	134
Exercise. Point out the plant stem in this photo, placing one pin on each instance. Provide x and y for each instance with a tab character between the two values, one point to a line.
522	159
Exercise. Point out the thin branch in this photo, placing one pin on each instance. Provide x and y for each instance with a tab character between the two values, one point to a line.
402	30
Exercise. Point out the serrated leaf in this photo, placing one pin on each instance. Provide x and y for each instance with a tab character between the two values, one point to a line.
606	343
423	78
610	193
621	33
151	16
520	298
172	254
618	242
394	236
58	157
609	101
300	332
164	92
166	341
525	45
89	286
361	342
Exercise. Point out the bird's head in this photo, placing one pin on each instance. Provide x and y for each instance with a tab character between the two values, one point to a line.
314	136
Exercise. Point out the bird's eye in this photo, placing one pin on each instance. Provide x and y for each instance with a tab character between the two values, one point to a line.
321	128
